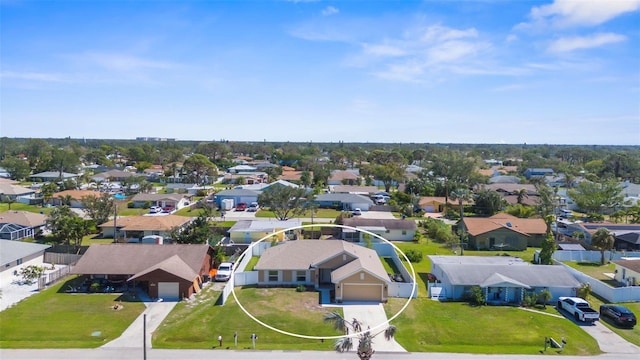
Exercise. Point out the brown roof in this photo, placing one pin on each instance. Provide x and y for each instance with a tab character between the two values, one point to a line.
440	199
130	259
512	188
486	172
12	189
173	265
288	168
78	194
292	175
340	175
24	218
477	226
7	181
141	223
304	254
392	224
633	265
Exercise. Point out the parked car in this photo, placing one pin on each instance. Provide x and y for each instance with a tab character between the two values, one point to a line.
241	206
155	210
357	211
253	207
579	308
620	315
224	271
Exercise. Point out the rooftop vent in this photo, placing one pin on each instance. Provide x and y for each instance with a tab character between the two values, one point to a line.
508	224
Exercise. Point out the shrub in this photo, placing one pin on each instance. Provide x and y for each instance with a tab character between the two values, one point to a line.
477	296
301	288
130	205
530	300
415	256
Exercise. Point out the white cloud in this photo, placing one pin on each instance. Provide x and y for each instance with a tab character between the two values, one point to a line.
121	62
330	10
511	38
32	76
567	44
437	33
567	13
384	50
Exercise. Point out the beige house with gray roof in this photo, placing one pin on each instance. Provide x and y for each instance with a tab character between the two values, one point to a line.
350	272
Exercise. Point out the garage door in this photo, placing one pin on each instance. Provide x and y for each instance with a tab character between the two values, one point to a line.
362	292
169	290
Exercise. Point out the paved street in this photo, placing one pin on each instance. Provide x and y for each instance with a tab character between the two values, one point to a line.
156	354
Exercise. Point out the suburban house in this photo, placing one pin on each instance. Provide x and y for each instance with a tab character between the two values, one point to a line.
509	192
165	201
13	192
587	229
237	195
349	271
343	201
627	271
75	197
137	227
343	177
627	241
184	188
537	172
504	179
503	232
114	175
248	231
53	176
242	168
389	229
354	189
293	175
18	225
14	254
503	279
170	272
246	177
436	204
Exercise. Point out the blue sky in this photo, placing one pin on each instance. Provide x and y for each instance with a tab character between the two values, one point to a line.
552	72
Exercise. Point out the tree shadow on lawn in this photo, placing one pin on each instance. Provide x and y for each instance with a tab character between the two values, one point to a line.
81	285
589	263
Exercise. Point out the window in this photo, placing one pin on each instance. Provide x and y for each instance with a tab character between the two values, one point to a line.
404	232
19	262
273	275
301	276
361	276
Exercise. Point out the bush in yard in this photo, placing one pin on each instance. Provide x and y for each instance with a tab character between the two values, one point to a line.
477	296
530	300
30	274
130	205
415	256
301	288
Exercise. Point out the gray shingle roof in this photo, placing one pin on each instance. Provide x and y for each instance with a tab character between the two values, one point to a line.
343	197
130	259
237	192
11	250
391	224
159	197
531	275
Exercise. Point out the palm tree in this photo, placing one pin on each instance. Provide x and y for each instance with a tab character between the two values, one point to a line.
461	195
603	240
365	339
65	200
522	194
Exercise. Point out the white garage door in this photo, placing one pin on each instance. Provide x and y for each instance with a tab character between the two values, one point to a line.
169	290
362	292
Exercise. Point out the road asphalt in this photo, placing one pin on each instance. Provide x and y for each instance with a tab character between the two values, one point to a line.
159	354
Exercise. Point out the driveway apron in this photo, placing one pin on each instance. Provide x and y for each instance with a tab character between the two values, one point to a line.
132	336
609	341
372	315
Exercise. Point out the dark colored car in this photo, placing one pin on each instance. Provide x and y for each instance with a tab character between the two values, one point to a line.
620	315
241	206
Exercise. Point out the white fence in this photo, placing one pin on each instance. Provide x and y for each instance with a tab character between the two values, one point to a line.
611	294
591	256
397	289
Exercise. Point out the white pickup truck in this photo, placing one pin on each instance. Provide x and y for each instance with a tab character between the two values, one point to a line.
579	308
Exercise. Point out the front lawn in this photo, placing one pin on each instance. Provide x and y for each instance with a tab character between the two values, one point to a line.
432	326
197	324
53	319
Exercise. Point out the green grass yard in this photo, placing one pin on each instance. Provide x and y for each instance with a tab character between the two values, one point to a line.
53	319
432	326
197	324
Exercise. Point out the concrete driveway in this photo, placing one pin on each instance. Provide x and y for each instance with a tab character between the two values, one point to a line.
132	336
373	315
377	215
608	341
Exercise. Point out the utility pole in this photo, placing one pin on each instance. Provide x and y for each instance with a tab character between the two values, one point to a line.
115	222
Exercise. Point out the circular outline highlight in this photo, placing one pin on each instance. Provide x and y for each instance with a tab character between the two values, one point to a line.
413	288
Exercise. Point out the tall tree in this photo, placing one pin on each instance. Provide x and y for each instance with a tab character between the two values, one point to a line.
18	169
594	197
602	240
197	231
198	168
462	196
66	226
488	202
98	208
547	249
285	201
